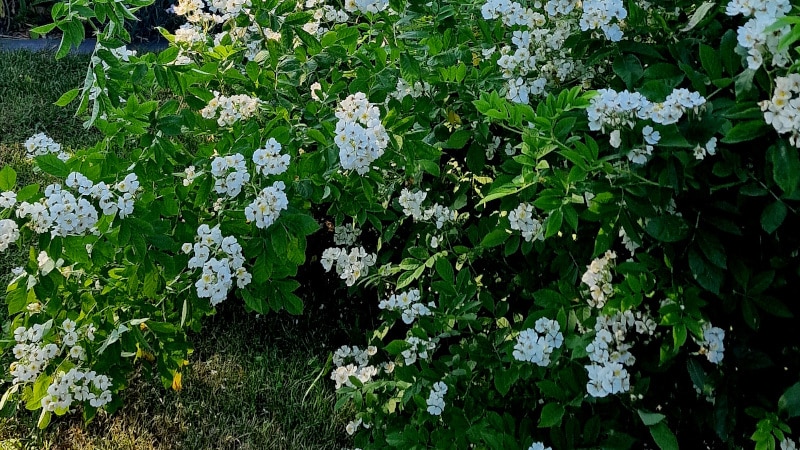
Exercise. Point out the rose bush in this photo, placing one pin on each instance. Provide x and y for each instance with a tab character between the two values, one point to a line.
575	218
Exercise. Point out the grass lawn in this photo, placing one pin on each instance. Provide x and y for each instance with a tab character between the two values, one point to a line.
250	384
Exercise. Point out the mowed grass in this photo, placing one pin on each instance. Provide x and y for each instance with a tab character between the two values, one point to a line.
29	85
246	388
252	382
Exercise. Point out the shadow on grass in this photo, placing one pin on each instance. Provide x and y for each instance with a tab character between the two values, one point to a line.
244	389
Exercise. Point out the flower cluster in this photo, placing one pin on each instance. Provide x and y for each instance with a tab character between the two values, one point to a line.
229	8
229	110
9	232
46	264
366	6
32	354
193	11
435	399
419	349
346	235
360	136
189	34
753	38
77	385
8	199
539	58
120	53
609	353
783	110
712	345
710	148
411	202
353	426
598	278
538	50
598	14
617	110
61	213
189	175
220	258
522	219
629	243
405	89
409	305
40	144
230	174
539	446
536	344
509	12
349	266
327	12
267	206
559	7
359	366
269	160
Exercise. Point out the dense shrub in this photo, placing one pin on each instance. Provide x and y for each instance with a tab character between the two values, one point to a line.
571	223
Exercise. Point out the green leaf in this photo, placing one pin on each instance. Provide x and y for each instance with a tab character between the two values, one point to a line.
789	39
504	379
75	249
785	166
551	415
554	221
548	298
789	403
27	192
16	300
257	303
774	306
679	335
495	238
399	439
396	347
52	165
44	419
696	373
629	69
713	249
710	61
499	191
671	136
746	131
773	215
698	16
8	178
311	43
409	67
67	97
445	269
649	418
458	139
707	275
285	7
727	50
292	303
664	438
73	36
668	228
44	29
